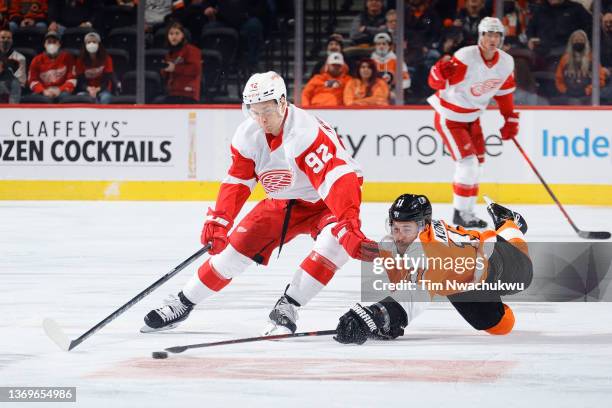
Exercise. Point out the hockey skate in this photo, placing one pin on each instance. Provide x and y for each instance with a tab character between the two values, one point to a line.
501	214
175	310
468	220
282	317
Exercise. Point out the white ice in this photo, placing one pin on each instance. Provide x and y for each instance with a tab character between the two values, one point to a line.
79	261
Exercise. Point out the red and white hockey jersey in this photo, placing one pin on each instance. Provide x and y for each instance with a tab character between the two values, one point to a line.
46	72
306	161
465	96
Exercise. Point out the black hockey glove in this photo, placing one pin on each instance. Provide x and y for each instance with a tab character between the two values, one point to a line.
384	320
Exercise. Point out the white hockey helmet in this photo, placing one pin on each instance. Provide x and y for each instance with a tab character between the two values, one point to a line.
491	25
266	86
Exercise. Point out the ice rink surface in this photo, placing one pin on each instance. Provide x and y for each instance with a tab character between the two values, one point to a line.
79	261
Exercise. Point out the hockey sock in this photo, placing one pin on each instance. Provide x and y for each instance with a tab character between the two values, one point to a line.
312	276
465	183
215	274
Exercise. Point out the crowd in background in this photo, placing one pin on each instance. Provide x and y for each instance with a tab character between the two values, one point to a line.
83	51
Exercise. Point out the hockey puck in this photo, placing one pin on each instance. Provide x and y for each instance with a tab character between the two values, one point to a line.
159	354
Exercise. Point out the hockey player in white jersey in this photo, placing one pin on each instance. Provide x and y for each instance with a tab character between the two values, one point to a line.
313	187
465	85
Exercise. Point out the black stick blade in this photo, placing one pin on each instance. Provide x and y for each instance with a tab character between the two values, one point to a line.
594	234
177	349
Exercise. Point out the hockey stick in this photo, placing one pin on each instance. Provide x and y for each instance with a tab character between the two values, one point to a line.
581	234
180	349
55	332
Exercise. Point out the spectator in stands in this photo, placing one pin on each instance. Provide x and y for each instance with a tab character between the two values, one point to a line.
70	13
606	53
327	89
574	72
13	57
451	39
526	86
386	63
368	89
10	90
159	13
94	70
391	21
422	34
334	44
515	22
28	13
183	75
369	23
51	74
552	23
468	19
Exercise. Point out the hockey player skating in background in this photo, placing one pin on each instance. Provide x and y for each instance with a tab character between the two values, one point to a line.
465	85
313	187
413	232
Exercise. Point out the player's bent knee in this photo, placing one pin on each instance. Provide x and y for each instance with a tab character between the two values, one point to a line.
328	246
230	263
505	325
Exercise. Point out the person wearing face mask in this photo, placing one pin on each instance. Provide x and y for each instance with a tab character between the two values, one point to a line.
386	63
574	72
51	75
7	51
327	89
183	73
94	69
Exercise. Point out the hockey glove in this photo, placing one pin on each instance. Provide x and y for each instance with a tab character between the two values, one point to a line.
382	321
511	126
445	68
354	241
215	231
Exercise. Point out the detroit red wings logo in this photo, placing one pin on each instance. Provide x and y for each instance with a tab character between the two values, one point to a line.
274	181
481	88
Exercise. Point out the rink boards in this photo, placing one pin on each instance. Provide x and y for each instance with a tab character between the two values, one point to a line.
173	153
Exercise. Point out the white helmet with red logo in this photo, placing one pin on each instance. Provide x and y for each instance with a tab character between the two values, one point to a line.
266	86
491	25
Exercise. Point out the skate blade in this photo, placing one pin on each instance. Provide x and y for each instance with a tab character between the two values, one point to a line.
147	329
487	200
272	329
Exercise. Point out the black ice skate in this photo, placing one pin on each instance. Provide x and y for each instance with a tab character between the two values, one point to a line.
468	220
283	317
501	214
175	310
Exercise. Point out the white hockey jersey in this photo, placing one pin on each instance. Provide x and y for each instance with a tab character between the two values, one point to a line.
304	162
465	96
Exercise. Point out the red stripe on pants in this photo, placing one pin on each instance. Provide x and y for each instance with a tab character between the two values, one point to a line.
465	190
319	267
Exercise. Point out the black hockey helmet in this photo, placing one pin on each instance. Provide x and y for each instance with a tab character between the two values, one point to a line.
411	207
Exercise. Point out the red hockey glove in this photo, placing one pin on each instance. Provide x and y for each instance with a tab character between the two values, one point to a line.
215	231
511	127
446	68
354	241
